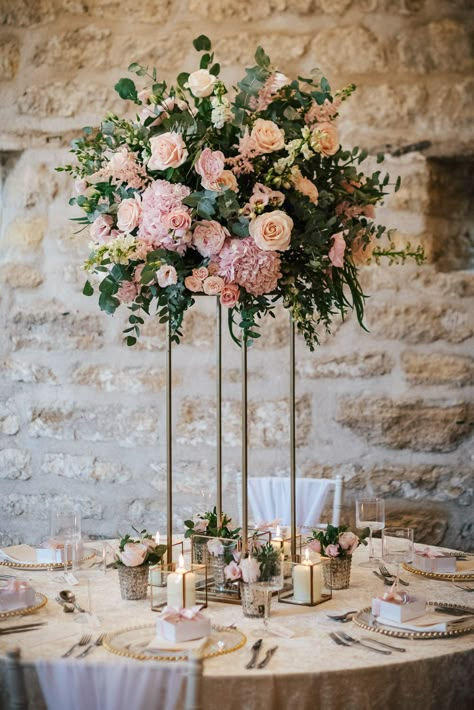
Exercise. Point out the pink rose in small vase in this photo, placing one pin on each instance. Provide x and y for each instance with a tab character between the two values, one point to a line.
133	554
333	550
232	571
348	541
200	526
215	547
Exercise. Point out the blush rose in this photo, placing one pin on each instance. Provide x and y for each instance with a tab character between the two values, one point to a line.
168	150
209	237
129	213
201	83
267	136
271	231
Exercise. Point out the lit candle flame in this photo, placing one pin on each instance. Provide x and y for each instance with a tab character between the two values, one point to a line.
157	538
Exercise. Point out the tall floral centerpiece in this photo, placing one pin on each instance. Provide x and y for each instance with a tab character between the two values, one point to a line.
249	198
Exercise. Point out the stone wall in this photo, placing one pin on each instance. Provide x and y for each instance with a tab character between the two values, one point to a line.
82	416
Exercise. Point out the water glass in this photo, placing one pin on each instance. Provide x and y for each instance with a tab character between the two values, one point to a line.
397	546
370	513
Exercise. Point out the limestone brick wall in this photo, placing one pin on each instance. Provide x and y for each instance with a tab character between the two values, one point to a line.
82	416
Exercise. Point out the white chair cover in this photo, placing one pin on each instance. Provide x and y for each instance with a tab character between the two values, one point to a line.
269	498
81	685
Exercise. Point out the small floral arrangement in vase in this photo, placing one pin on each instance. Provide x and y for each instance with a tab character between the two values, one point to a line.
261	564
133	559
338	543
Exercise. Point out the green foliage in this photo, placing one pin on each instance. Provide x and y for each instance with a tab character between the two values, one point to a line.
268	558
213	529
126	89
202	44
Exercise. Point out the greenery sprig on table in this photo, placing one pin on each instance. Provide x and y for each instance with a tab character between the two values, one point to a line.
337	542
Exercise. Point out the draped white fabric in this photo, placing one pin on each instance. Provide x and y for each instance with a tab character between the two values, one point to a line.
269	498
84	684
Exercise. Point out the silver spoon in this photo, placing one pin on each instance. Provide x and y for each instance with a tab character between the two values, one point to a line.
67	608
67	596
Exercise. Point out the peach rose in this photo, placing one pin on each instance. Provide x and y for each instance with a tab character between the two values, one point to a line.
230	295
129	213
361	251
213	285
369	211
100	228
193	284
201	273
166	275
178	221
209	237
272	230
325	138
201	83
210	166
168	150
133	554
336	252
267	136
228	181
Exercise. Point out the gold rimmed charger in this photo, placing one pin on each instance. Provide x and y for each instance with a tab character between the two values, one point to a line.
40	602
462	574
365	619
131	641
41	566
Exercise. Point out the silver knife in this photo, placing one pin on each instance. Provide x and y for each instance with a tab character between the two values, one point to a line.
17	627
453	612
255	651
269	654
385	645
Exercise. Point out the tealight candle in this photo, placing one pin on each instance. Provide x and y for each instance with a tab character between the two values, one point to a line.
181	587
302	576
279	544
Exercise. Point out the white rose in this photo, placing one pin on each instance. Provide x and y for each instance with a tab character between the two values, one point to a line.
272	230
201	83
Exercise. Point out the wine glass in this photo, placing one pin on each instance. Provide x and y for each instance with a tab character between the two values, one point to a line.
397	546
370	513
65	532
266	587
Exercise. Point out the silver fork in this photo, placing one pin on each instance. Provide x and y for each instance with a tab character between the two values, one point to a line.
337	640
461	586
384	571
98	642
83	641
350	640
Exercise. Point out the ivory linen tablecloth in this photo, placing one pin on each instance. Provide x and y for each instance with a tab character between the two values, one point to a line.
308	672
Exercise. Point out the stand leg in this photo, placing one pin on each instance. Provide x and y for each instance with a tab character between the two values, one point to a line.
169	451
292	439
244	448
219	412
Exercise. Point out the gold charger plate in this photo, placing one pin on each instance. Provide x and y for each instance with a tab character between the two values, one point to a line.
40	602
130	643
41	566
463	575
367	621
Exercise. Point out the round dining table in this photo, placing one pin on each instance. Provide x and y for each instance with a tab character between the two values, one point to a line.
308	671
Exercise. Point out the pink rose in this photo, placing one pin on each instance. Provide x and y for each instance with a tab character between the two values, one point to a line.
193	284
230	295
168	150
348	541
80	186
201	273
333	550
215	546
228	181
361	250
209	237
201	83
129	213
250	569
100	228
200	525
213	285
232	571
336	252
210	167
267	136
314	545
325	138
272	230
133	554
166	275
178	221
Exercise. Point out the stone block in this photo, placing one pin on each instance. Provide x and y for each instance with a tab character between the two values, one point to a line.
85	468
25	235
421	425
9	422
131	379
20	276
165	52
78	48
24	13
36	507
430	522
355	365
15	371
32	183
9	57
239	49
51	326
148	12
338	49
127	427
441	45
438	369
15	464
69	99
420	323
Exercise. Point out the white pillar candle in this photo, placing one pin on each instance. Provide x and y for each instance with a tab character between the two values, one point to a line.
176	590
302	581
279	544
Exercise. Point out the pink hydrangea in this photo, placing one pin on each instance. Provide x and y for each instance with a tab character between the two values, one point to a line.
242	262
160	200
127	292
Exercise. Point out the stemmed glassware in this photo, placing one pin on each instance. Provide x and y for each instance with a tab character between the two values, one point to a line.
271	584
370	513
397	546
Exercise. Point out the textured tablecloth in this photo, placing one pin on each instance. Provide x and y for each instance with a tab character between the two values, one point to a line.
308	672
